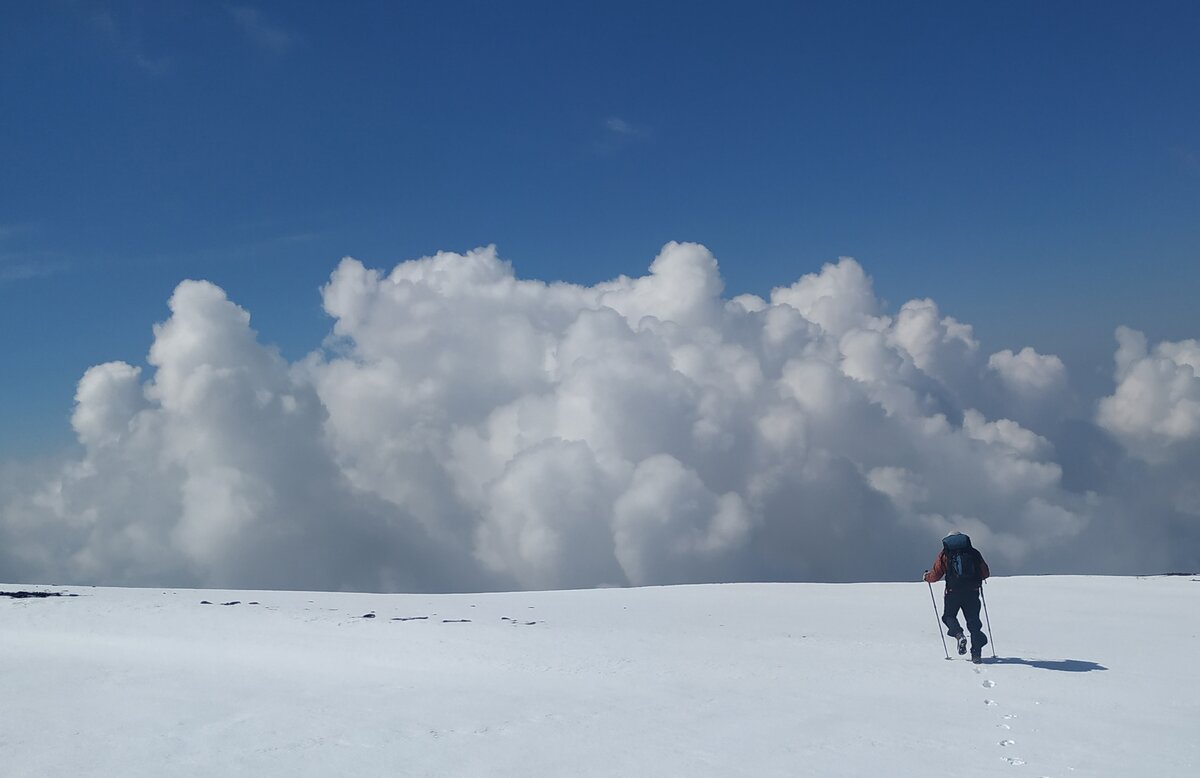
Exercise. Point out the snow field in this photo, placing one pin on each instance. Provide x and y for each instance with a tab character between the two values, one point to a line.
711	680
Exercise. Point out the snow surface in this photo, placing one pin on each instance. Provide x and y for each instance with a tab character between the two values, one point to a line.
1095	677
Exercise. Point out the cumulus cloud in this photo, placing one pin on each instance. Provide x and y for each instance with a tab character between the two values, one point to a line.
1156	405
463	428
1028	373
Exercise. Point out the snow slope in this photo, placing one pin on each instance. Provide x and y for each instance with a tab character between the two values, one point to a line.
1095	677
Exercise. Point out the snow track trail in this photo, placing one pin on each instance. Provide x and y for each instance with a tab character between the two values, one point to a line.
1006	742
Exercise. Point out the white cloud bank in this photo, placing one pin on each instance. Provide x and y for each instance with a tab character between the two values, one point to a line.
465	429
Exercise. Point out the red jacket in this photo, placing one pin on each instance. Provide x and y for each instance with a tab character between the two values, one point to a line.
938	570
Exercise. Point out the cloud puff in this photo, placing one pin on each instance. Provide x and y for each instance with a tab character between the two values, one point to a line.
1156	405
213	472
462	428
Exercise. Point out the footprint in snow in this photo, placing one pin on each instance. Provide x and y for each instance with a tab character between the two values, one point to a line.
1008	742
989	702
1012	760
1010	715
988	684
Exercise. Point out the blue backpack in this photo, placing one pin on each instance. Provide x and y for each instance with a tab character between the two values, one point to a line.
962	562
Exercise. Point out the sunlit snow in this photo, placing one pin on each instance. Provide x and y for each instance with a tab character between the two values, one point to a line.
1093	677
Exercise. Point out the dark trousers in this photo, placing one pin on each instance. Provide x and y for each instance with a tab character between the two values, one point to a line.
966	600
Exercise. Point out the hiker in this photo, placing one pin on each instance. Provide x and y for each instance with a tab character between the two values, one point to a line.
964	570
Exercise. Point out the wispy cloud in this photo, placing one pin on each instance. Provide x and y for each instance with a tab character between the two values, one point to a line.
128	44
18	262
620	133
624	129
1188	157
276	248
265	34
22	266
620	126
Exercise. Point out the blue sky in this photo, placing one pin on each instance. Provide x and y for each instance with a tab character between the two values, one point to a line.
1032	167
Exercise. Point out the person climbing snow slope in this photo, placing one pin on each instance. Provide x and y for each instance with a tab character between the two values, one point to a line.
964	570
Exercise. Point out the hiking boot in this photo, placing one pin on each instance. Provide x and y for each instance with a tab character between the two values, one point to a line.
977	657
962	644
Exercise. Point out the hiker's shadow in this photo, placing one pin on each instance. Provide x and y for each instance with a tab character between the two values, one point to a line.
1063	665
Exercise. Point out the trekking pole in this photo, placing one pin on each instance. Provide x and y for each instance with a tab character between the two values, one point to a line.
988	619
935	618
